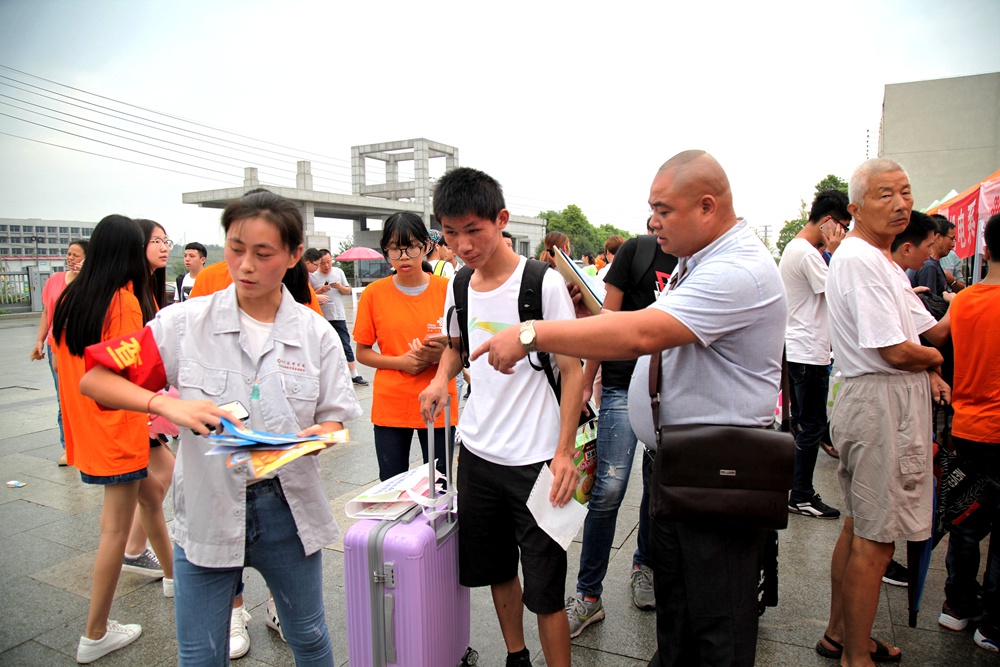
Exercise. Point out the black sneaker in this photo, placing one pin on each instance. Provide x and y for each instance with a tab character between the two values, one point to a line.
521	659
360	381
814	507
896	574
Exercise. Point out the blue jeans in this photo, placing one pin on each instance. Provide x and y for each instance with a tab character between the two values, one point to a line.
810	385
616	444
962	561
203	596
392	447
55	381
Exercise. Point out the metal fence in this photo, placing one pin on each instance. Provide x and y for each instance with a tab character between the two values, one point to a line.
15	291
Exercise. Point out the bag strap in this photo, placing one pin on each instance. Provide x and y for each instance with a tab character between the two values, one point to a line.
529	307
439	267
180	291
645	253
460	290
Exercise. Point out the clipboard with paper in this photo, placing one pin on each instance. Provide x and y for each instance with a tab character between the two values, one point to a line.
571	273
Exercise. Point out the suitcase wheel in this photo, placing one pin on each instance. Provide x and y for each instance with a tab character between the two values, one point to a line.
470	658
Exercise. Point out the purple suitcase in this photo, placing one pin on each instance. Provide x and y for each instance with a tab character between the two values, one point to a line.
405	606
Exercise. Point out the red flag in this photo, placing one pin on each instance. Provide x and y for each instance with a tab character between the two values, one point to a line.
134	356
965	215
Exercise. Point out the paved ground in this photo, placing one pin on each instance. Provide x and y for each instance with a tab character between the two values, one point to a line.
49	536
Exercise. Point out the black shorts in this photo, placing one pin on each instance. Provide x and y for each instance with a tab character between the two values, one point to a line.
495	523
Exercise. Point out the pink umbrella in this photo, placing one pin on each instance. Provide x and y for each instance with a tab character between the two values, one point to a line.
357	253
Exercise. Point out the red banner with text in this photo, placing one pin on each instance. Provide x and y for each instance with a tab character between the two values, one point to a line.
965	215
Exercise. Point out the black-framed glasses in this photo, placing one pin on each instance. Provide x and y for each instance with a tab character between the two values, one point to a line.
845	225
411	252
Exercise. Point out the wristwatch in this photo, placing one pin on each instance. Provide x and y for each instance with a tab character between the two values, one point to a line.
527	336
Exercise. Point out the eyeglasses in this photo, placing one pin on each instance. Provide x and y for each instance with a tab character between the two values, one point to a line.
411	252
156	240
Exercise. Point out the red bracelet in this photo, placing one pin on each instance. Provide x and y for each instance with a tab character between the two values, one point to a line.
149	403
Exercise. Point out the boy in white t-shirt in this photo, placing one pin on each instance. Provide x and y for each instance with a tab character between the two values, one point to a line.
512	425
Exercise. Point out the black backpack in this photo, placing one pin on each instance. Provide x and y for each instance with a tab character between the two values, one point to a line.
645	253
529	307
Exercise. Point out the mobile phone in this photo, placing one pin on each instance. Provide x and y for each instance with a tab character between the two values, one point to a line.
237	410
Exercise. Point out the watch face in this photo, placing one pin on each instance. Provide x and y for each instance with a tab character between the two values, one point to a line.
525	337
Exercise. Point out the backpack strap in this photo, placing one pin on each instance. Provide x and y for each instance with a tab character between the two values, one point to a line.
529	307
439	267
460	288
645	253
180	291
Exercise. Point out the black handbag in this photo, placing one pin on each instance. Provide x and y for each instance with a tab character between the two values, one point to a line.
719	474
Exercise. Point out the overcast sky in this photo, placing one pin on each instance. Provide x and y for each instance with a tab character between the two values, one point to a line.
563	102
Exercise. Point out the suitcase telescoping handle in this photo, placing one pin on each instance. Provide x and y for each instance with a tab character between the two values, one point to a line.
448	496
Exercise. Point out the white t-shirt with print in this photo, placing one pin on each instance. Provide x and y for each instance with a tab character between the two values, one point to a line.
871	306
510	419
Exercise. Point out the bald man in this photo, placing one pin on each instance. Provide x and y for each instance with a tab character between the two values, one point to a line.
721	328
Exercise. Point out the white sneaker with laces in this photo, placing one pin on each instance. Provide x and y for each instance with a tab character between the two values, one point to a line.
117	636
239	636
271	618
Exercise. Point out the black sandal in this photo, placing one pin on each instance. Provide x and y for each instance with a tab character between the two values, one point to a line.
880	654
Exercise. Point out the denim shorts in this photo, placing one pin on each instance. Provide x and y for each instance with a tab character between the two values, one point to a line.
114	479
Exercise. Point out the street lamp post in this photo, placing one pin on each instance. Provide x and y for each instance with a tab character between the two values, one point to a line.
34	239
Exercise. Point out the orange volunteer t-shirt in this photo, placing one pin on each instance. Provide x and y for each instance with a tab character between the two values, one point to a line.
102	442
215	278
391	319
975	333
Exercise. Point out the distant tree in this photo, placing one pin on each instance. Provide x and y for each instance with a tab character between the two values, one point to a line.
832	182
583	236
348	267
793	227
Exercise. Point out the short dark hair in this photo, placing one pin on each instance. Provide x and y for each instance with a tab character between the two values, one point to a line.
280	212
83	243
202	250
508	235
919	228
465	190
312	255
991	235
944	226
405	229
830	202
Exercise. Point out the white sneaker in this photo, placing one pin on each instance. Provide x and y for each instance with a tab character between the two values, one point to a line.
271	618
239	636
168	588
116	637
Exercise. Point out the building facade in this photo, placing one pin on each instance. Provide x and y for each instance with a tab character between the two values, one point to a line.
43	243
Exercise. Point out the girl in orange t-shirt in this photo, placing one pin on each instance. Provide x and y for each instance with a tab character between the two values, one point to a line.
109	447
402	314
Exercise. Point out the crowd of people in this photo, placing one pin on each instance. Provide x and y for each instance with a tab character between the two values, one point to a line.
266	330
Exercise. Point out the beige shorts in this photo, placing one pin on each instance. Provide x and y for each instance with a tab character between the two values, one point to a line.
881	425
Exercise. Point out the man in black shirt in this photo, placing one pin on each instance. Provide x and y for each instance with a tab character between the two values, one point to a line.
638	274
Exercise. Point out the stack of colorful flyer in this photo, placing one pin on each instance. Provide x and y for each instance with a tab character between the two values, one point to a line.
393	497
266	452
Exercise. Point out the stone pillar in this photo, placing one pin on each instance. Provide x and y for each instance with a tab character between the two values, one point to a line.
391	170
303	175
250	178
451	161
421	178
357	170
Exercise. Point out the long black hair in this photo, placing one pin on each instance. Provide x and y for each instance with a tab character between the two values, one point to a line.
115	258
157	283
297	281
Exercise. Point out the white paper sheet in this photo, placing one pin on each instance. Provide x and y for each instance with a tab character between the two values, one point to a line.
560	523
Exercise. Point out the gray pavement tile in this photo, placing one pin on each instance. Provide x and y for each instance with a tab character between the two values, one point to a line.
12	444
923	647
39	608
76	575
79	531
21	516
25	554
778	654
33	653
67	496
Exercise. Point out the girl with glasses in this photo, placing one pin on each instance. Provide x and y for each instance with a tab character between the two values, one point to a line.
402	313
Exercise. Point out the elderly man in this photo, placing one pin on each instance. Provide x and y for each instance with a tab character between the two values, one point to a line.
881	422
720	326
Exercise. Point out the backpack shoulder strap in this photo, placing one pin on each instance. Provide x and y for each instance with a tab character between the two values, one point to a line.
180	290
529	307
645	253
460	287
439	267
